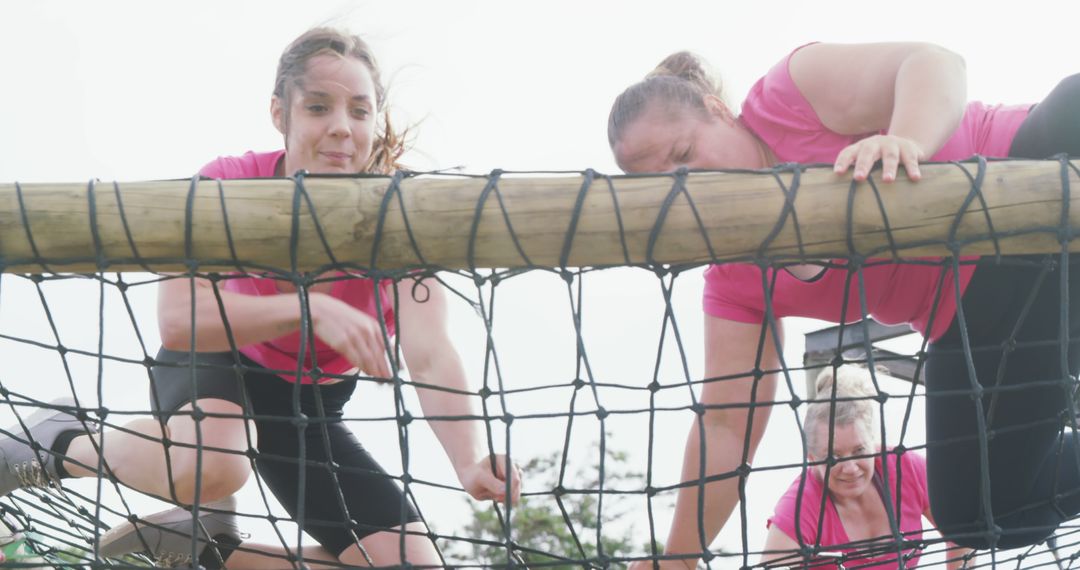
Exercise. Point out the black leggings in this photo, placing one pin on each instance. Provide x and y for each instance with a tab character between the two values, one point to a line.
1012	314
345	495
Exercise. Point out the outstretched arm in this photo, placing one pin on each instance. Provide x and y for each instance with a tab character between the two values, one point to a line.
433	361
780	548
731	349
915	92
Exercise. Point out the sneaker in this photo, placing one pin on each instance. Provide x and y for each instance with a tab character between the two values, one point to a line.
166	536
26	456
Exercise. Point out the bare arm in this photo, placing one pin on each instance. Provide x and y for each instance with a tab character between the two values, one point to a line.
916	92
252	319
432	360
730	349
779	546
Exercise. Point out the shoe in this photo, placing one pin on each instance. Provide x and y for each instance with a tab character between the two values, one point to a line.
166	536
26	456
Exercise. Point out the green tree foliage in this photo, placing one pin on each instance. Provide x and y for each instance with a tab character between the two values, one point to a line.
561	526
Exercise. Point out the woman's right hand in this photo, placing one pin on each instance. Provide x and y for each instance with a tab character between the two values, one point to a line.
893	152
351	332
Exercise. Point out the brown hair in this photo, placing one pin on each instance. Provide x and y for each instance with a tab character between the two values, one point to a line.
855	405
681	81
388	145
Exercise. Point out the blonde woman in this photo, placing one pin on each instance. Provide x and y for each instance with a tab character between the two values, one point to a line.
846	509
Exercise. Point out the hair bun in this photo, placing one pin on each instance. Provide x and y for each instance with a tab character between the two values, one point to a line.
851	382
690	68
681	64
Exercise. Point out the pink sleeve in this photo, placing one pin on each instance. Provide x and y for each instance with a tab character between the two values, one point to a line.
914	481
784	512
248	165
783	516
734	292
776	104
216	168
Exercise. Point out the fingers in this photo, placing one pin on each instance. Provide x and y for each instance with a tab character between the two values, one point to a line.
890	159
374	355
845	159
490	485
500	478
911	165
515	478
363	347
489	488
868	154
891	151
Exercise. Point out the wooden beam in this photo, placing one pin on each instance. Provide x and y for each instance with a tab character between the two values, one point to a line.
463	222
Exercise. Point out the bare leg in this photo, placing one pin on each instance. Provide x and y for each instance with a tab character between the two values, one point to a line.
267	556
384	549
137	456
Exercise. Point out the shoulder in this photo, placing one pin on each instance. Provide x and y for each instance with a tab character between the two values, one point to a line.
775	99
799	508
915	465
248	165
912	470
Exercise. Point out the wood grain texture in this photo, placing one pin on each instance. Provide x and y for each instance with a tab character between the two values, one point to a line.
736	213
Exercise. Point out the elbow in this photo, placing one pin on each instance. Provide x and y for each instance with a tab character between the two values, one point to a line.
939	55
946	62
175	331
947	57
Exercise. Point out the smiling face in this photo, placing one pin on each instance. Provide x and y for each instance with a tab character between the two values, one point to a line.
849	478
328	117
662	139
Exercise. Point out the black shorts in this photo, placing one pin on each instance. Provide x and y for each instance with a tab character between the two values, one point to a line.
341	505
999	459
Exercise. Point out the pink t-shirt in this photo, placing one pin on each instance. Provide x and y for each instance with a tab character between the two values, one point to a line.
778	113
283	353
829	533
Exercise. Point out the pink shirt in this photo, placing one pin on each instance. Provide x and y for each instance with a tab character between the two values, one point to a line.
283	353
829	533
778	113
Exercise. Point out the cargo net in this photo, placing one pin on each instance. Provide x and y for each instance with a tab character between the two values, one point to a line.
588	378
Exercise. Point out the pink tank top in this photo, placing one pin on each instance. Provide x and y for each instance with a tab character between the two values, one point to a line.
922	295
283	353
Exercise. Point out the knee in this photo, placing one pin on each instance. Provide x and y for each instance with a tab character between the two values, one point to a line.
222	475
1070	85
211	461
216	476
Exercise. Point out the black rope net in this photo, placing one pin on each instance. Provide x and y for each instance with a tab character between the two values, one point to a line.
576	376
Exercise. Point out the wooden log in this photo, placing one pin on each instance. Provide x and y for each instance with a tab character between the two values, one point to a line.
453	223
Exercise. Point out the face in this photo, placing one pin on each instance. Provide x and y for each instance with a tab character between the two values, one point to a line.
849	478
329	125
662	140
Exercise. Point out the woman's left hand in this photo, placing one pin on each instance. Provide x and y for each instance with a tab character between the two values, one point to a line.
891	150
483	484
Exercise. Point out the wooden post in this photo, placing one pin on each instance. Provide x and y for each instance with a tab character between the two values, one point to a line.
736	216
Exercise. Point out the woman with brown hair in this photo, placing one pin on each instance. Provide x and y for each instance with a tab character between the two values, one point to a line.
249	355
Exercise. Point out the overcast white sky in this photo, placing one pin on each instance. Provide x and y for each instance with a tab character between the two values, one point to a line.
151	90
